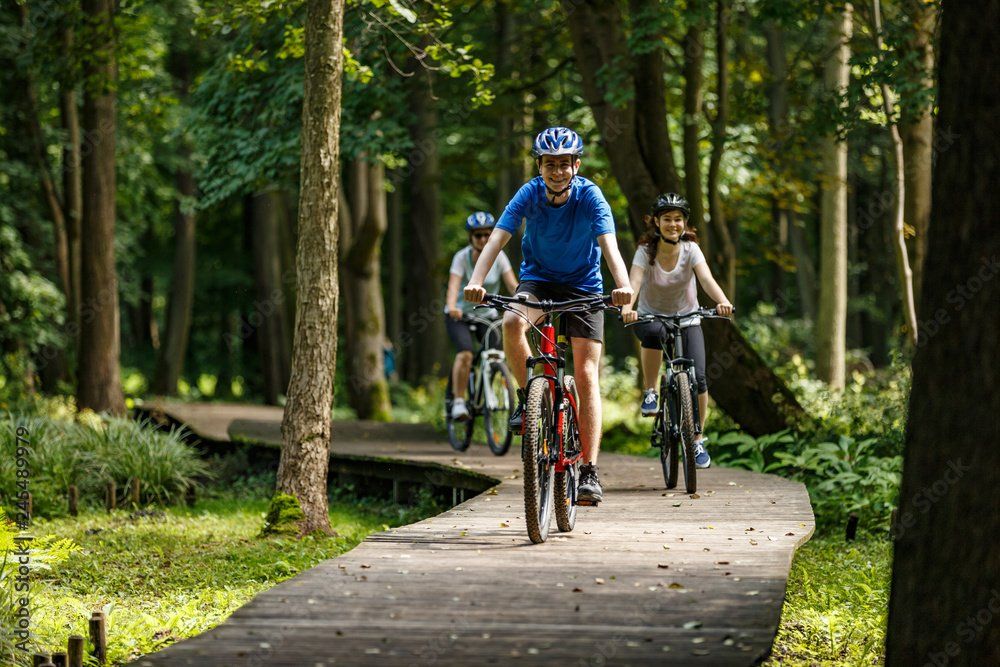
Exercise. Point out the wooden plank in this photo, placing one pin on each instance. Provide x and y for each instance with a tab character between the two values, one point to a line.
649	577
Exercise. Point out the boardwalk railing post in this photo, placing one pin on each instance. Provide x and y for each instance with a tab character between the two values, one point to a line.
39	659
59	659
110	495
74	499
74	651
134	488
852	526
99	636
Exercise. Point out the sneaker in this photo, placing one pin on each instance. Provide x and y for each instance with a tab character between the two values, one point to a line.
589	489
517	417
701	457
650	403
459	412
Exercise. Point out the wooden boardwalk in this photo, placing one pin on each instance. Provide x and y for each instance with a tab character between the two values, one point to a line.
649	577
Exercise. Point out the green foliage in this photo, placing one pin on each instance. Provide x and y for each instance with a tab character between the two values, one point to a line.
45	554
836	604
91	453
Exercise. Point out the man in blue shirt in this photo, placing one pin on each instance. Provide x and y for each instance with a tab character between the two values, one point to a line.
568	227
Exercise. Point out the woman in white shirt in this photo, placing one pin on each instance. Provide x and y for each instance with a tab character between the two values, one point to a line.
479	225
663	278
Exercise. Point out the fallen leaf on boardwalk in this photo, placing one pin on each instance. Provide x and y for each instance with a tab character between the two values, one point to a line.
665	546
676	504
748	529
504	524
458	569
722	562
752	593
663	566
789	534
692	625
578	590
707	528
598	580
732	483
464	533
700	651
705	549
698	640
365	566
675	586
492	492
587	532
753	542
694	496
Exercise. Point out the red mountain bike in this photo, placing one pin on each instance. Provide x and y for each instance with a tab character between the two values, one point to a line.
550	443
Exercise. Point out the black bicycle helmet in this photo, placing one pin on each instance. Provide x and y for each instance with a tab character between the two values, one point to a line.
670	201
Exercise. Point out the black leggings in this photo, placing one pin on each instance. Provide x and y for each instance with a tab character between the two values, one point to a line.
651	333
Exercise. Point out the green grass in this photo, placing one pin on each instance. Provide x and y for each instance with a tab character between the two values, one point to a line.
836	604
177	572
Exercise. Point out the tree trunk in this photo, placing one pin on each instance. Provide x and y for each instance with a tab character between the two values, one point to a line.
364	310
831	324
72	188
945	592
98	380
903	273
305	429
170	360
917	129
743	389
420	342
269	313
394	279
724	251
789	226
694	60
634	134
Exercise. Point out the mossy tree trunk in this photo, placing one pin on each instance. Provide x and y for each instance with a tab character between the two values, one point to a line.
306	426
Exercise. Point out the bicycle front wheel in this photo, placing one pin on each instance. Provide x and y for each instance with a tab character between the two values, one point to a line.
497	415
668	446
459	433
686	413
566	481
536	448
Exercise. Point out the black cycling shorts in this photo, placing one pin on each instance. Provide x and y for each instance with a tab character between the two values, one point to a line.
578	325
460	332
651	333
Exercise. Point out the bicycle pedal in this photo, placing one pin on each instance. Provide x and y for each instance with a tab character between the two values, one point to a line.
588	503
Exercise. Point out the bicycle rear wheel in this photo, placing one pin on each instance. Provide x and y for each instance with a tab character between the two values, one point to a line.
565	482
686	413
668	446
536	446
459	433
497	416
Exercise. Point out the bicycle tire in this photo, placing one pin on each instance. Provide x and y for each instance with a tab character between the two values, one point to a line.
495	420
687	432
564	483
459	433
668	446
538	470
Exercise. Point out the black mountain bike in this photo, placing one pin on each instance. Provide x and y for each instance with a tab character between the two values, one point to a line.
490	393
677	424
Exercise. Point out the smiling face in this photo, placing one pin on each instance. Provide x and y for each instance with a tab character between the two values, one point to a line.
479	237
671	224
557	170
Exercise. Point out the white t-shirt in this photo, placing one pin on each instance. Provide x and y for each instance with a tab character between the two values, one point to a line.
669	292
462	265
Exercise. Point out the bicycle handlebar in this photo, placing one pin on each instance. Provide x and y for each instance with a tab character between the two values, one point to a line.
580	304
675	319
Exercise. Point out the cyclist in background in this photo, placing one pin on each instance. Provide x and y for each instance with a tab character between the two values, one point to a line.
663	277
568	226
479	225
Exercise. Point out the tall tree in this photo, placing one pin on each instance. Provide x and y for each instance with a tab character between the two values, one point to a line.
362	226
306	426
69	116
98	380
724	247
945	583
420	347
904	275
694	79
917	129
831	323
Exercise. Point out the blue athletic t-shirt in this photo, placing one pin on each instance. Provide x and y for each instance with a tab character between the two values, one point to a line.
560	242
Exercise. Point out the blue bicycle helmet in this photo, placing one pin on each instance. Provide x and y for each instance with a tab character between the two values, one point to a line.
557	141
479	220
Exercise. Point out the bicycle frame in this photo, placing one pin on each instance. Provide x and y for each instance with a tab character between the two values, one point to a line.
481	393
675	363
